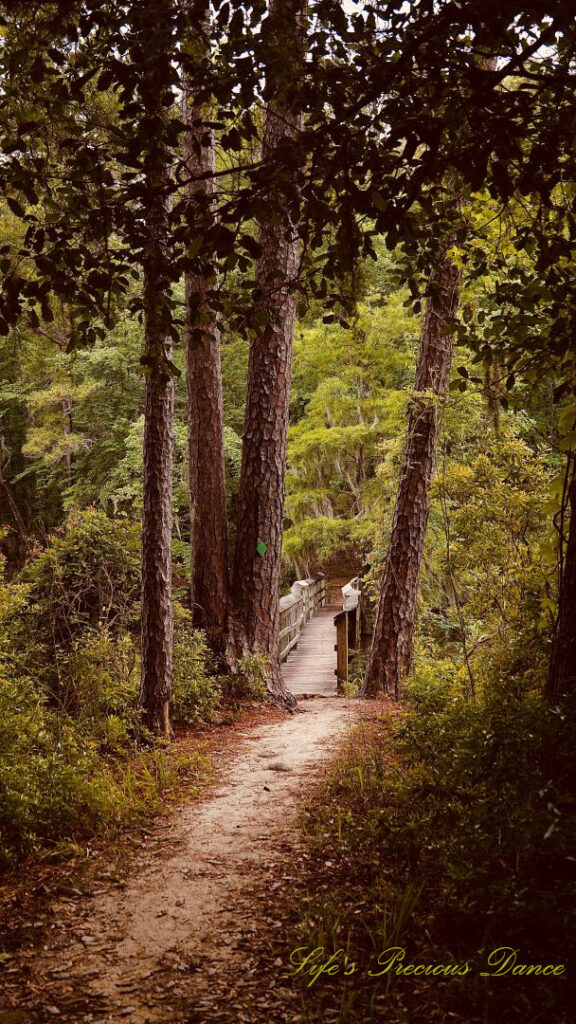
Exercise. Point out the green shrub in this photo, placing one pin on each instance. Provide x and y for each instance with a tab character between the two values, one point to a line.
196	694
101	671
84	584
51	780
72	762
249	681
88	575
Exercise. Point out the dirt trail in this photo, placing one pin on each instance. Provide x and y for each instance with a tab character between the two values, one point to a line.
178	938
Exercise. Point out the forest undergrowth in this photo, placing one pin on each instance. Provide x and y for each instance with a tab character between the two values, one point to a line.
77	759
444	837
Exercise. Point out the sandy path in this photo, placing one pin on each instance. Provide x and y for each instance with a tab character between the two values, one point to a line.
178	937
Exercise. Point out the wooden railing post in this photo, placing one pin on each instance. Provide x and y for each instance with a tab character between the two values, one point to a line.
348	624
341	648
352	616
321	589
290	622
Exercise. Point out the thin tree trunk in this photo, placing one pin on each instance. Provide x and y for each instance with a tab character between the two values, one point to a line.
562	674
492	392
256	580
157	616
209	542
390	658
66	405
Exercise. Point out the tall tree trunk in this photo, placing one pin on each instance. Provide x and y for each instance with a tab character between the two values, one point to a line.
390	658
153	33
256	580
562	674
209	543
157	616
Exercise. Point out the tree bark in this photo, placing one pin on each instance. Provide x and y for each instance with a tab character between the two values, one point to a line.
562	674
157	616
390	658
209	541
152	29
256	580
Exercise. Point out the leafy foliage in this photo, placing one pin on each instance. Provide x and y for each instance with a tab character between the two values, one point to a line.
75	755
349	396
196	698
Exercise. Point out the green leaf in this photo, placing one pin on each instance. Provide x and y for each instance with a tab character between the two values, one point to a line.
379	200
16	207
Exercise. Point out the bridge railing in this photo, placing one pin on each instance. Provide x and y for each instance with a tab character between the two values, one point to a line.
349	628
298	608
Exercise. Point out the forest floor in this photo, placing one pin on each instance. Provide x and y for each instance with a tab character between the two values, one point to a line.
188	926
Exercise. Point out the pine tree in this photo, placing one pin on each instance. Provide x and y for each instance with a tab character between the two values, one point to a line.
209	545
256	576
390	658
153	27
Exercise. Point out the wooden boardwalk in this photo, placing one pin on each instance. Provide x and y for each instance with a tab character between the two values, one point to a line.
310	668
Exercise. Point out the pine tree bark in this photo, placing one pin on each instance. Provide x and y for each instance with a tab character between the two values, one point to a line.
256	579
390	658
156	595
209	541
562	674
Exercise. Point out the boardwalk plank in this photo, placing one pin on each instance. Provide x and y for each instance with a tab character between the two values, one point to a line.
310	668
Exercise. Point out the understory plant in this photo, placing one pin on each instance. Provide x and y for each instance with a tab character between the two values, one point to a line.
76	758
471	806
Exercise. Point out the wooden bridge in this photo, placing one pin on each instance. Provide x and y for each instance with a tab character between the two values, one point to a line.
317	639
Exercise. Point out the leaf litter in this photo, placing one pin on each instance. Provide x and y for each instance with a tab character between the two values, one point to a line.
194	933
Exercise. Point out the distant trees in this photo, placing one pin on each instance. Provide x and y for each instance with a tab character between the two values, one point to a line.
349	392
